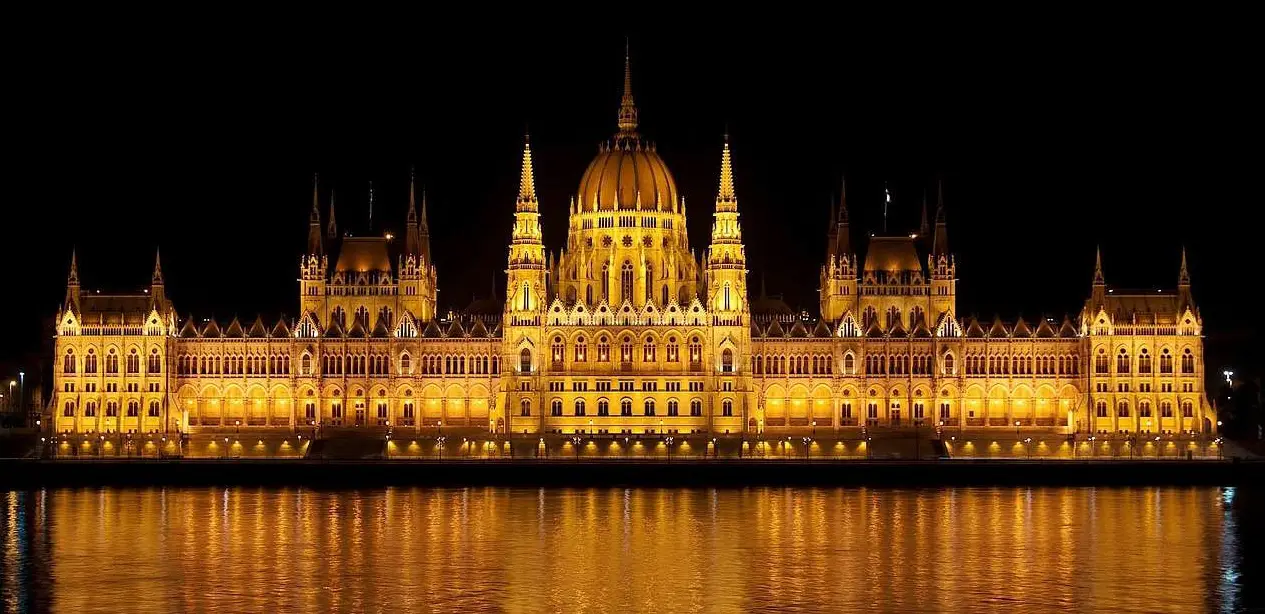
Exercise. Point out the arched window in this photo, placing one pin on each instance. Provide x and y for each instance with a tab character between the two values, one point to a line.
1122	409
625	350
1144	409
1166	362
869	317
579	407
949	364
626	282
696	350
90	361
1166	409
649	407
625	407
696	407
524	407
757	364
588	294
647	350
68	364
674	353
672	407
406	364
1188	409
606	283
603	407
555	407
664	298
1100	362
68	411
1144	362
849	364
1188	362
893	317
1122	361
581	349
727	407
727	361
133	409
90	409
112	362
524	361
603	349
1101	409
556	350
725	305
111	409
134	362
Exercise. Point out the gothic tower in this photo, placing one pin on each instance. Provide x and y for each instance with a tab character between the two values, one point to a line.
314	263
941	265
416	270
839	273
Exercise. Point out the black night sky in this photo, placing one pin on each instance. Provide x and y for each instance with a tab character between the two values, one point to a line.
204	143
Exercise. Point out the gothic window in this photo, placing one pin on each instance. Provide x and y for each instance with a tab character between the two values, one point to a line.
674	354
603	349
526	293
727	361
90	409
1100	362
647	350
649	407
893	317
68	364
914	314
1122	409
1144	362
673	407
571	295
579	407
1166	362
1144	409
1122	362
524	408
556	349
845	410
696	350
664	298
944	411
90	361
581	349
726	303
524	361
949	364
1188	362
112	409
1188	409
340	316
1166	409
603	407
1101	409
696	407
626	282
69	410
625	407
588	294
849	364
112	362
555	407
406	364
362	316
606	280
757	364
625	350
133	409
496	365
869	317
727	407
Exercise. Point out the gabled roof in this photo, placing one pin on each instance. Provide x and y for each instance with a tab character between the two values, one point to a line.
212	329
334	330
756	331
973	328
898	329
234	330
281	330
257	330
775	329
380	330
455	330
874	331
1044	330
1066	329
478	330
799	331
998	329
432	330
920	327
821	330
188	331
1021	329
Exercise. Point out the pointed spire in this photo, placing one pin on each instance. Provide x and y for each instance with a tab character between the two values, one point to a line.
940	243
527	182
924	228
843	200
332	228
314	220
370	206
1183	276
726	194
73	277
412	230
839	237
425	222
412	195
1098	278
627	109
158	268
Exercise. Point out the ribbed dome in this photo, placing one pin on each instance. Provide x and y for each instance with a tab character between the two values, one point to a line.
621	171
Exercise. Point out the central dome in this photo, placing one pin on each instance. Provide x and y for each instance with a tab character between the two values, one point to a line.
622	173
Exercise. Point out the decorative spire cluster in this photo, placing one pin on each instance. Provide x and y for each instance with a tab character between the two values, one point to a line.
726	231
1098	278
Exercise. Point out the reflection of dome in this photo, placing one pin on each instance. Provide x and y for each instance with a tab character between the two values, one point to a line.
622	171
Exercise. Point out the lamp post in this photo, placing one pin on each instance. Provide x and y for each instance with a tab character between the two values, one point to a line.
669	442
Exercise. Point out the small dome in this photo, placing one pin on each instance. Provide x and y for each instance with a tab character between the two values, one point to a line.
622	171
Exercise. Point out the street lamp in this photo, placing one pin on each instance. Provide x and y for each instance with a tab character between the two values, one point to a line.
1229	376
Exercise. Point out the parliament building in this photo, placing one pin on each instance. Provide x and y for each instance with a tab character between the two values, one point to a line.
625	332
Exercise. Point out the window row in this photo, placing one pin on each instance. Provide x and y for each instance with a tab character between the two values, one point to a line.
1144	409
649	350
233	364
90	362
1126	364
804	364
648	407
111	409
1061	364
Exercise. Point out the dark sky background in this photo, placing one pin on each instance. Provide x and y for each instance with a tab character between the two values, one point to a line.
1049	143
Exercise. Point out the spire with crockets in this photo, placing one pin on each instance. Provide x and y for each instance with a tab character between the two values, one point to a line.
526	289
726	256
314	246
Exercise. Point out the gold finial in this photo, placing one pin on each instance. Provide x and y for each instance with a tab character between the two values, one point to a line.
627	109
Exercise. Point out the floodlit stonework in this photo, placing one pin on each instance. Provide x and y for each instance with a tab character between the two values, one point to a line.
626	333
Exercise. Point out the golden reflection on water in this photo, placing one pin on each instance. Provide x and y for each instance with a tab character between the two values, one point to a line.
614	549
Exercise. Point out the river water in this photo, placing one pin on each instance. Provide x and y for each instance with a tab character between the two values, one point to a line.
639	549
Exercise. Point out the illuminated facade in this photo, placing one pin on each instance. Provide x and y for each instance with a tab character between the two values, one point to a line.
627	332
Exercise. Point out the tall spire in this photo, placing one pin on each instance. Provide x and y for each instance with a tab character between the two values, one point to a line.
627	109
370	206
840	235
1098	278
1183	276
412	231
158	268
940	243
425	219
924	228
72	283
332	227
527	181
726	197
73	277
314	220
